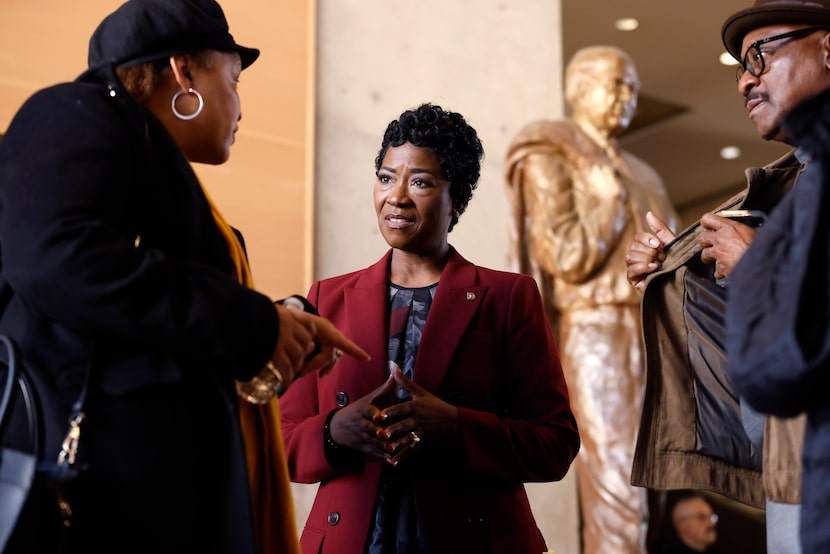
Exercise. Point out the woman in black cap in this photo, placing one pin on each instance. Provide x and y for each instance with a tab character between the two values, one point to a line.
121	283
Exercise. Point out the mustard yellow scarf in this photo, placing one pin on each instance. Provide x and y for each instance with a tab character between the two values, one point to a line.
273	508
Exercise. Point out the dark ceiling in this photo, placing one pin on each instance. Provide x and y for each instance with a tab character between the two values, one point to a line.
689	103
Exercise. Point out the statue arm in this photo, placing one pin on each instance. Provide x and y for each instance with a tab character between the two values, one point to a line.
576	215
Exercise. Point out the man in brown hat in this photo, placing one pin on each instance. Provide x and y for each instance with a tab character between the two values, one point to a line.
778	348
695	433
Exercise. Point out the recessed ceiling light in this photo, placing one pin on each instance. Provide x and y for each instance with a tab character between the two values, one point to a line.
626	24
730	152
727	59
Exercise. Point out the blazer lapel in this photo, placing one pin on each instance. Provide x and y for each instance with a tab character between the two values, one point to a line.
365	306
456	302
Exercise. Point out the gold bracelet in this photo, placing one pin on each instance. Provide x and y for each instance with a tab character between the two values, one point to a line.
279	385
267	384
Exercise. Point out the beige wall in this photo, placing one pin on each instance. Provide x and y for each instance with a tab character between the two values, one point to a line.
265	187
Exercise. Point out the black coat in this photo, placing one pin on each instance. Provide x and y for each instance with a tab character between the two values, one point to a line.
111	260
779	316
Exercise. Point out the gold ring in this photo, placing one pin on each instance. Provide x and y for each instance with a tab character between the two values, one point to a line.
415	438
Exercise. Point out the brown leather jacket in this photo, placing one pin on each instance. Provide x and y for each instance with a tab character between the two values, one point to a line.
691	434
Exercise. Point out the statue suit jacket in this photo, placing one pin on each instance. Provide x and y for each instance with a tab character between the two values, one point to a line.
486	348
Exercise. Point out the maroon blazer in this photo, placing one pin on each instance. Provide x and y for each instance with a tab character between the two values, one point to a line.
487	349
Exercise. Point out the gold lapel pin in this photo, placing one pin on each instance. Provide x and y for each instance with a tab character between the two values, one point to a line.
471	296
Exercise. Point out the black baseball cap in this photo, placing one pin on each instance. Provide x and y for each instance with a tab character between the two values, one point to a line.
147	30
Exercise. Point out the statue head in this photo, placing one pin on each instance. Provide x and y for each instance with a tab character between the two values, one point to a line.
601	87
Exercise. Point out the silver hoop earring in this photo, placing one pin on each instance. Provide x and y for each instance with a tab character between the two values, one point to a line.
193	91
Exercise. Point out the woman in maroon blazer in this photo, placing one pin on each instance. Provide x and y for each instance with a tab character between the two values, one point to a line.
426	447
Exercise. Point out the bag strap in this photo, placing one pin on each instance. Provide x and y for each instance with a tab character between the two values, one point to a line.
56	472
11	379
16	376
17	465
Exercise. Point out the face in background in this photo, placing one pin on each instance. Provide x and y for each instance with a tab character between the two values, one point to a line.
208	137
412	201
604	91
795	69
694	522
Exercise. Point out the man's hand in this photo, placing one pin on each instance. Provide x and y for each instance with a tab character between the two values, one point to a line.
724	241
645	255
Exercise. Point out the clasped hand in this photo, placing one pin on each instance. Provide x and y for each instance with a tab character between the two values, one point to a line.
383	427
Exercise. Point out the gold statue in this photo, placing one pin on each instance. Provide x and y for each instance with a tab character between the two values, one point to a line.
577	201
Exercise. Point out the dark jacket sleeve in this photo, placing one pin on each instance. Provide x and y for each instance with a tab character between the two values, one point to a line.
77	190
779	305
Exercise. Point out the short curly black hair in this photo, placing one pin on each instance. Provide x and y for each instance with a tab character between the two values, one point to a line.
454	141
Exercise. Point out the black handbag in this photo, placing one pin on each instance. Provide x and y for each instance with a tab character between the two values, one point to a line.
17	467
22	465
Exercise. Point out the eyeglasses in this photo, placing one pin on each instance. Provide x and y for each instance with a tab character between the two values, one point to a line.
754	58
702	517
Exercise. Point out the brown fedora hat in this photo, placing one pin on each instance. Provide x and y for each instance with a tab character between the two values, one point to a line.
772	12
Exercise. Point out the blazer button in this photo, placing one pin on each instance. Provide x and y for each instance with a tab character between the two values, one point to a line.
334	518
455	398
475	521
342	399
